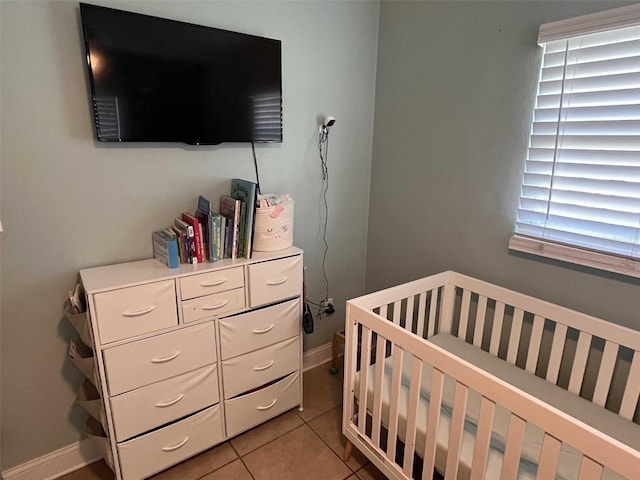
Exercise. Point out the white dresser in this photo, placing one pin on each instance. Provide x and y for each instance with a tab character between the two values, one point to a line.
179	360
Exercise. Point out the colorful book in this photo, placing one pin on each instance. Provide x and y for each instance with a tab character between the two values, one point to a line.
189	239
195	223
182	244
216	226
241	229
222	234
230	209
165	249
206	217
248	193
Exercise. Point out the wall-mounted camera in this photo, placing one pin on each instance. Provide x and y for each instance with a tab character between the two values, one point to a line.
328	121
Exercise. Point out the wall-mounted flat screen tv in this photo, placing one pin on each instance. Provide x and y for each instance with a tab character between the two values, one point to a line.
160	80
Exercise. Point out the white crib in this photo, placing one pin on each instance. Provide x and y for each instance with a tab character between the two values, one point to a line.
477	381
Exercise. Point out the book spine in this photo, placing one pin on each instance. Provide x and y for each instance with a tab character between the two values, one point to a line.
195	224
215	238
182	250
236	230
228	244
189	240
222	252
251	215
241	229
165	250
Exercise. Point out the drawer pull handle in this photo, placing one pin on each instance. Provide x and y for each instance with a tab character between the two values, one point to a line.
277	282
175	447
171	402
265	366
137	313
216	306
263	330
213	283
165	359
267	407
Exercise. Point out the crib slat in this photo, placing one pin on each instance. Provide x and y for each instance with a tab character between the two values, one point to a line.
455	434
365	349
422	307
383	311
433	424
483	439
480	316
589	470
579	363
557	347
396	375
514	337
377	391
549	457
464	315
632	389
397	310
408	315
605	374
446	318
496	328
534	344
412	415
433	308
515	436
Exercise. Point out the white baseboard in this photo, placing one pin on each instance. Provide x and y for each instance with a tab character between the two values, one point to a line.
67	459
317	356
55	464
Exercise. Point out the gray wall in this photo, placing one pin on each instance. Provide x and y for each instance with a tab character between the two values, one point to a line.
68	203
454	96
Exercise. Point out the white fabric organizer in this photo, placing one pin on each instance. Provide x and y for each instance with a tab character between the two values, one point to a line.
274	223
478	381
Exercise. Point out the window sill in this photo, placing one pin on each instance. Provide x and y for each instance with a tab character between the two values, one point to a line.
587	258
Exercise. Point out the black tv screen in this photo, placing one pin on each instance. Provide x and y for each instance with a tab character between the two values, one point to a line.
160	80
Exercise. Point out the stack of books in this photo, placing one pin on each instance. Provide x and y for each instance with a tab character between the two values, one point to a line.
207	235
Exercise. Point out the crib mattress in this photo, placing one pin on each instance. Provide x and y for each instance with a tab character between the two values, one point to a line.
569	463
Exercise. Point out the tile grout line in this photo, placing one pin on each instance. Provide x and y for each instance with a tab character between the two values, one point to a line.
351	471
241	458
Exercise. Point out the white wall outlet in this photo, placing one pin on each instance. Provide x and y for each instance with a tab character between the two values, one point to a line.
326	306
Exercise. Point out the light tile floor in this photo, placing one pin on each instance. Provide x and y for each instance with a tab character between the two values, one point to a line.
296	445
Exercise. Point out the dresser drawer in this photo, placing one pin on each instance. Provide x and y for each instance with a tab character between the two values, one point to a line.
143	362
212	305
275	280
254	330
251	370
143	456
135	310
211	282
157	404
249	410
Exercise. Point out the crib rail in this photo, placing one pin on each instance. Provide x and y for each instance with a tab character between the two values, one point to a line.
371	338
416	306
587	356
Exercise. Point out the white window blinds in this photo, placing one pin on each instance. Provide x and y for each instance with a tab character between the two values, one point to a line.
581	183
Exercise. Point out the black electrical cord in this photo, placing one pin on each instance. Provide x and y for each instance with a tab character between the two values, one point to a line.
323	147
255	164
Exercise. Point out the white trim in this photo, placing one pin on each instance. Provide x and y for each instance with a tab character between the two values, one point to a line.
73	457
55	464
601	261
317	356
592	23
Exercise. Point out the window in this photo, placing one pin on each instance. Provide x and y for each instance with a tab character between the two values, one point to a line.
580	198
